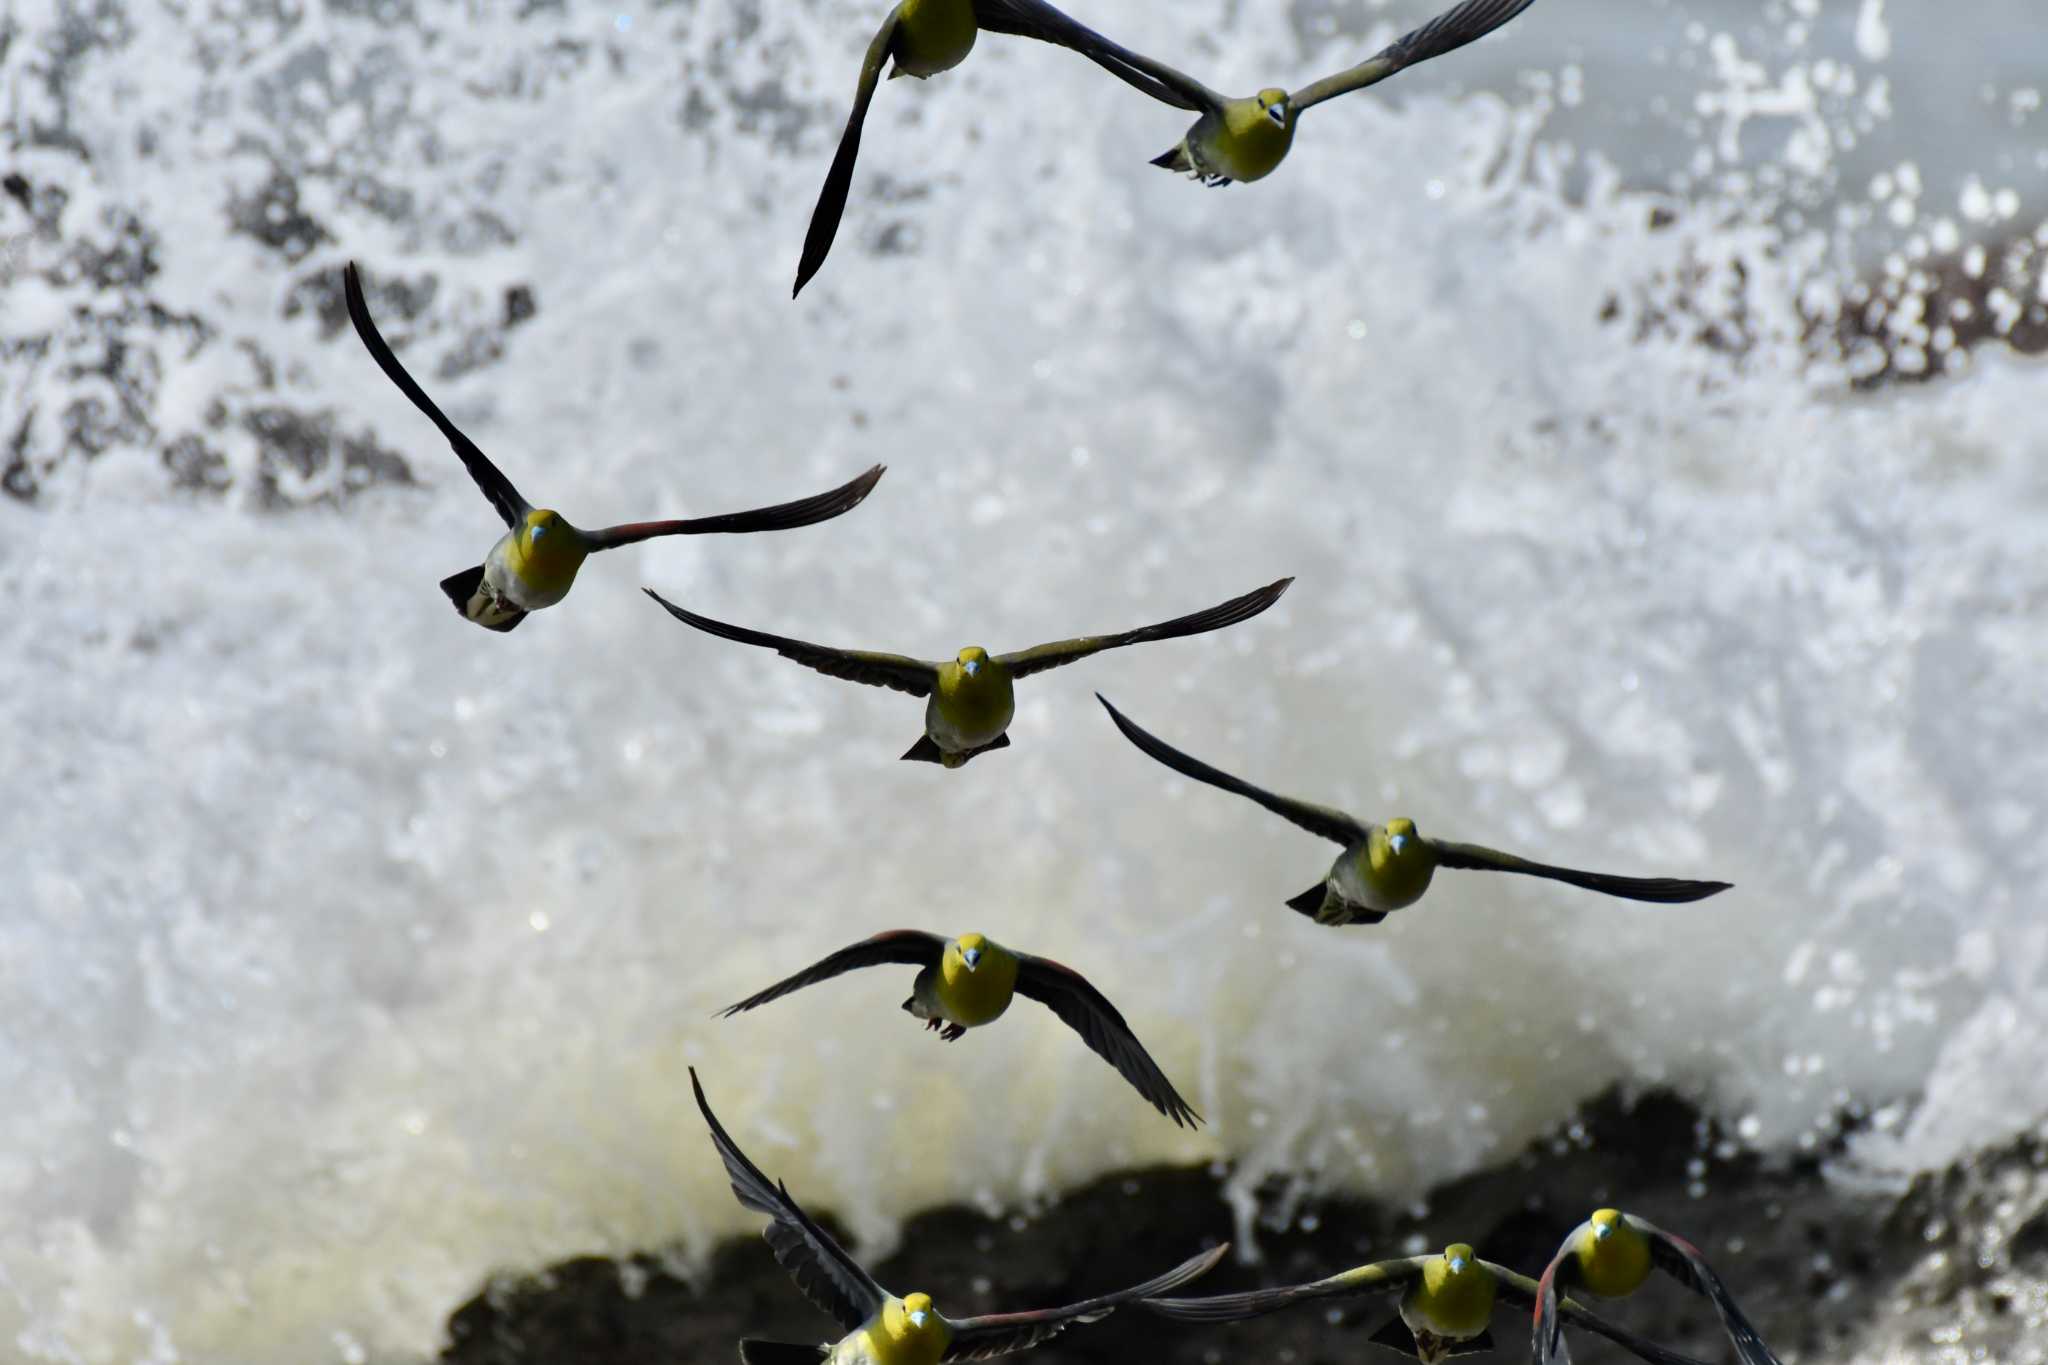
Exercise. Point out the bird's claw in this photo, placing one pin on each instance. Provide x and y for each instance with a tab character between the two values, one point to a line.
953	1033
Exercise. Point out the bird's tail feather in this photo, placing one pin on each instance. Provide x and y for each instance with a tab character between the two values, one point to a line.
460	587
1309	902
1175	158
925	751
465	590
756	1352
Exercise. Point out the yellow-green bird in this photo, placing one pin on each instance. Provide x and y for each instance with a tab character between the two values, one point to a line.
1446	1309
969	698
534	564
1245	139
881	1328
1611	1254
965	982
1386	867
923	38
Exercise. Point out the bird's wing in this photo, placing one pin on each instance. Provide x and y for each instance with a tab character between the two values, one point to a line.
1546	1341
898	672
1378	1278
783	516
821	1268
1682	1261
495	485
1324	820
1001	1333
832	197
1025	662
1670	890
1088	1012
1036	19
1523	1292
1452	29
908	946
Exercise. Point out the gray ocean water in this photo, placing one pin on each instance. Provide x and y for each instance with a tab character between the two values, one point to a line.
348	952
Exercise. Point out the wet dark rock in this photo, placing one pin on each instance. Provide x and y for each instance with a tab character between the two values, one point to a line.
1805	1254
392	298
299	448
274	217
519	304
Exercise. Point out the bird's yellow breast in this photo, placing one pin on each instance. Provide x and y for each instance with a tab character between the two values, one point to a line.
1450	1305
970	709
1614	1266
978	996
934	35
1251	143
546	564
1391	880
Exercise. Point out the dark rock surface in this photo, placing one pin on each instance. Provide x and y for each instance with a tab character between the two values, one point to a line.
1957	1259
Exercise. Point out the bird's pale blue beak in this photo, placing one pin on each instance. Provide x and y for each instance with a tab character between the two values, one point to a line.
1397	842
971	667
917	1318
1277	113
538	531
971	956
1601	1231
1457	1265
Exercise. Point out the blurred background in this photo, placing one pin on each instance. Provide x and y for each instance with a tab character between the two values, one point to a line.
1608	386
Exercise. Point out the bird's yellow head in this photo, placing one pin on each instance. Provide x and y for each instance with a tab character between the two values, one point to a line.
973	659
1399	843
546	550
1459	1259
1273	103
913	1319
971	949
1604	1222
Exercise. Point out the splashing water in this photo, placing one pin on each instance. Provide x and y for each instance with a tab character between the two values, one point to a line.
352	952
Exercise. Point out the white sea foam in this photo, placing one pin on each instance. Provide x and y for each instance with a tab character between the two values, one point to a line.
351	952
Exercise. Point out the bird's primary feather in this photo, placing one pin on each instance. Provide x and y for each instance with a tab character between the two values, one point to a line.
1664	890
1327	821
997	1334
1088	1012
828	1277
488	477
1024	662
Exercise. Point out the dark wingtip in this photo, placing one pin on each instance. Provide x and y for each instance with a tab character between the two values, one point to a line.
352	295
806	270
671	608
